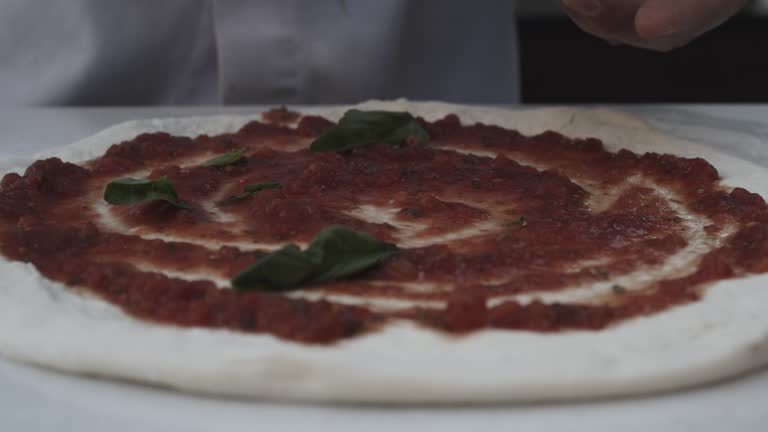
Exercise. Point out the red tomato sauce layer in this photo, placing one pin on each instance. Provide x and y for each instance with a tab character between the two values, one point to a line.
496	229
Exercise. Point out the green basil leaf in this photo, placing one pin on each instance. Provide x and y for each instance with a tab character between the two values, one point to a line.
130	190
364	128
618	289
253	188
335	253
278	271
226	159
339	251
522	221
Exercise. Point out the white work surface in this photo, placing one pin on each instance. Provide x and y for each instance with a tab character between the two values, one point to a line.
37	400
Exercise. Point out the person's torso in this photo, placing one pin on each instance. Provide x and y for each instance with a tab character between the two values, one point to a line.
114	52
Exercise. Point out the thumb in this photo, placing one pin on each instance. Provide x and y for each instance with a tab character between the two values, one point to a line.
657	18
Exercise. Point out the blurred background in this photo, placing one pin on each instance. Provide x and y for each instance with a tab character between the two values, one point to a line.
198	52
562	64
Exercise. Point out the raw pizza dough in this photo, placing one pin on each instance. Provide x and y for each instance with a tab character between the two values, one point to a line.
723	334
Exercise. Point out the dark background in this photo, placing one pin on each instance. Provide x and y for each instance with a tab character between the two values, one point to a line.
562	64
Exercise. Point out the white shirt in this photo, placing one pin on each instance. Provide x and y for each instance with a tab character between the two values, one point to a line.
139	52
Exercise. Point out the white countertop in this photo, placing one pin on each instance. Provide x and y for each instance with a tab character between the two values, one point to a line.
39	400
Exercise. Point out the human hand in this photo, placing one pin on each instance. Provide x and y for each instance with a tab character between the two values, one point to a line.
660	25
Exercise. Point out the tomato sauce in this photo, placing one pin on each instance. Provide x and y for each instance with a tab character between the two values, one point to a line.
483	215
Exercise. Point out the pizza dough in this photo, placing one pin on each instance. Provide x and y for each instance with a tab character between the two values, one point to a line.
723	334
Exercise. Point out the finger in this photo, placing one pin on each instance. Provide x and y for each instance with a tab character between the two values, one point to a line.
629	37
691	18
583	7
608	19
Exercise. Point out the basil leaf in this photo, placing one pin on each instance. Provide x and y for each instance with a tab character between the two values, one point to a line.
335	253
339	251
253	188
364	128
278	271
226	159
618	289
522	221
130	190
